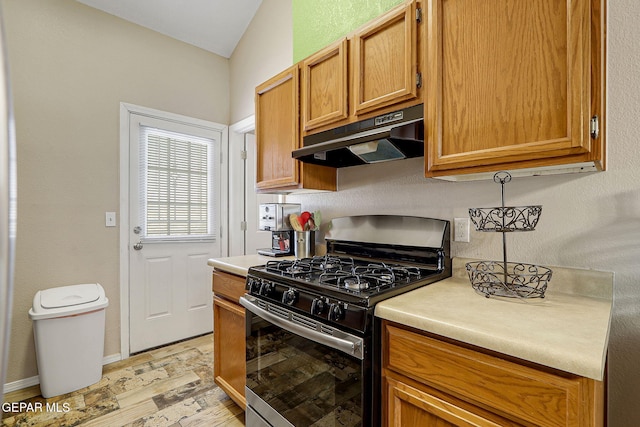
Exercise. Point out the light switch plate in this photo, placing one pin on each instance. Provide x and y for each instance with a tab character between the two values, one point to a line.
110	219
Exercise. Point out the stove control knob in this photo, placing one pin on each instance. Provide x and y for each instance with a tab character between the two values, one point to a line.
335	312
266	289
317	306
253	285
289	297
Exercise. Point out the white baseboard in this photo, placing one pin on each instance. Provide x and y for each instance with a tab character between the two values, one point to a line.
20	384
31	381
111	359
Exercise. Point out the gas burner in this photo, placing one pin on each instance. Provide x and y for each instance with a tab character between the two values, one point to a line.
297	268
380	272
354	283
329	262
397	272
358	278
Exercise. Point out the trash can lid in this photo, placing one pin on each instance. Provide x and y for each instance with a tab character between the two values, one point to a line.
68	300
66	296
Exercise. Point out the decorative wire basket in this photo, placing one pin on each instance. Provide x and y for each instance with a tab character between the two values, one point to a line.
506	219
507	279
521	280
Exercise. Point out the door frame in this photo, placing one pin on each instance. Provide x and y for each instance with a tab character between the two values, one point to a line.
237	185
243	198
126	110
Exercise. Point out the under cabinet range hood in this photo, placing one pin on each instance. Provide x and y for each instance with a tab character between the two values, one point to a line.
392	136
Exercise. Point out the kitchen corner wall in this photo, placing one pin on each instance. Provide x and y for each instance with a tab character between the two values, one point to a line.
70	67
589	221
264	50
315	25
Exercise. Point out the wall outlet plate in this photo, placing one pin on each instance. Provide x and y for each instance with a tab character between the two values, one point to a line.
461	231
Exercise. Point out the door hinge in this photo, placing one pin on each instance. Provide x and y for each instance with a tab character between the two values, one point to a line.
419	14
243	154
243	225
594	127
418	79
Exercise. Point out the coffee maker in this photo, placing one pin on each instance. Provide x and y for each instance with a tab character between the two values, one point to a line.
274	217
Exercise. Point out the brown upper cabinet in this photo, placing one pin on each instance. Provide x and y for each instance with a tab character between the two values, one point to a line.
513	84
372	71
277	130
278	134
385	60
324	86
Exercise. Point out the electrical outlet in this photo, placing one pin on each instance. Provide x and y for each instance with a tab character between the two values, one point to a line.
461	229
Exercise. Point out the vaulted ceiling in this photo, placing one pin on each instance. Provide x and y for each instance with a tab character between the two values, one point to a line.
213	25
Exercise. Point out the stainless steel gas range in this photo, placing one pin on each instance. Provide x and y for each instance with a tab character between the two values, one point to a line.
313	345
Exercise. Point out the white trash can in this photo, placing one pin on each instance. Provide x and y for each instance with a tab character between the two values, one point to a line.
68	329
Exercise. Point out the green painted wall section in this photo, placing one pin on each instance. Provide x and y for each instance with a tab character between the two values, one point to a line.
318	23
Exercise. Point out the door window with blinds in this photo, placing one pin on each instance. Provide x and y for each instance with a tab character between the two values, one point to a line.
177	196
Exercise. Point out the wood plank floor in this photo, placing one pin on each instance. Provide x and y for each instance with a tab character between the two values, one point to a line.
170	386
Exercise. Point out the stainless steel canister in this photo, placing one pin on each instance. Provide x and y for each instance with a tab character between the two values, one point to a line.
305	244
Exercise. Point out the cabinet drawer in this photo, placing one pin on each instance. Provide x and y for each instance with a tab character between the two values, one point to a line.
519	392
228	285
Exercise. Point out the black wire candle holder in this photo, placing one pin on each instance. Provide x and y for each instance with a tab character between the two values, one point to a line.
507	279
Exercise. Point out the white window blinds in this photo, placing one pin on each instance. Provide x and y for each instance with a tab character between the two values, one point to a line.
176	172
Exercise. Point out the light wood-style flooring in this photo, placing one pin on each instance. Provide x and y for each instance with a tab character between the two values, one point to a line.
170	386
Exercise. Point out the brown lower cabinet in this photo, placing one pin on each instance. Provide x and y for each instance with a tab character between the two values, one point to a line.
228	337
430	381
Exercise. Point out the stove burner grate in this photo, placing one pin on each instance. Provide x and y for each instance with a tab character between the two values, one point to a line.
373	275
307	266
291	268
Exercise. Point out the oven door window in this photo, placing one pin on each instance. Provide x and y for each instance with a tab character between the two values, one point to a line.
307	383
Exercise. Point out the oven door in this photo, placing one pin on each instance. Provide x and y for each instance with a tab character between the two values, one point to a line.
301	372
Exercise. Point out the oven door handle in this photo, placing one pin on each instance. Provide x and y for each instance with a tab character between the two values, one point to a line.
347	343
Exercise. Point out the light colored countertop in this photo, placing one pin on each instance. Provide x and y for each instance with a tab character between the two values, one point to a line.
566	330
240	264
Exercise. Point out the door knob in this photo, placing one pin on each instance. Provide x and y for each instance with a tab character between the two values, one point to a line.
137	246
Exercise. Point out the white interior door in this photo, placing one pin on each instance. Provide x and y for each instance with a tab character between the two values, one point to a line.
244	236
255	238
174	228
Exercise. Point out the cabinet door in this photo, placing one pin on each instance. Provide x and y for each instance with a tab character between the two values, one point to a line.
386	60
277	130
408	406
324	86
522	394
507	81
229	369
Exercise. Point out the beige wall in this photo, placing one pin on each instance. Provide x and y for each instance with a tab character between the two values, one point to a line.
71	66
588	221
265	49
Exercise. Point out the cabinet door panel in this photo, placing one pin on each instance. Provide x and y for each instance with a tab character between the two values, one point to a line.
277	130
409	406
507	81
324	86
229	369
524	393
386	60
